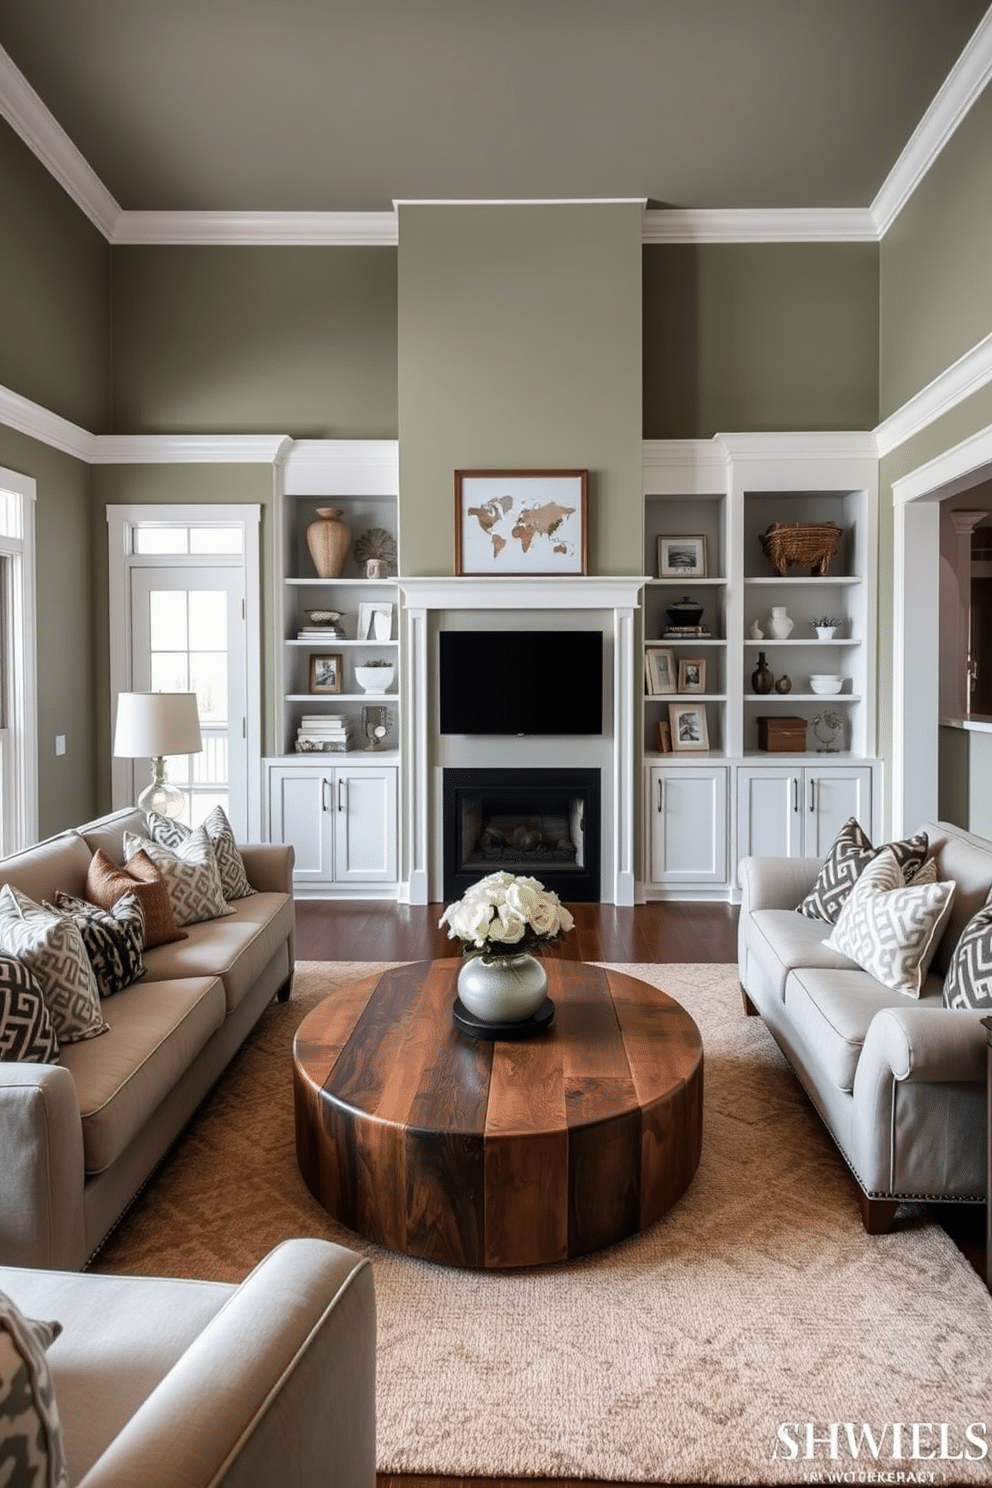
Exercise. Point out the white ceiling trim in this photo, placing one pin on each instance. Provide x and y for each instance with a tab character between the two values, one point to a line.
969	374
296	229
769	225
25	417
962	86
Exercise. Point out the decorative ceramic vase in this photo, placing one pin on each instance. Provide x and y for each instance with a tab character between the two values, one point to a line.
374	678
784	684
757	634
780	627
762	678
684	612
825	632
329	541
507	989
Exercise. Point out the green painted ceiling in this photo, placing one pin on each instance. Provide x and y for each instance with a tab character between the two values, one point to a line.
344	105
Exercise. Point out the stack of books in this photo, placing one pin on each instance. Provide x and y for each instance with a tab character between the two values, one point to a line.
328	632
325	733
686	632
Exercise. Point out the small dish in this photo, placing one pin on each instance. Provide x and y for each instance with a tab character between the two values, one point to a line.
826	683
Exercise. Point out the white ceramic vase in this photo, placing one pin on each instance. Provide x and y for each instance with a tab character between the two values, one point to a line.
780	627
374	679
505	990
825	632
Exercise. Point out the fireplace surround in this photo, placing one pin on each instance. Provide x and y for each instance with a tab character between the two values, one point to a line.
542	823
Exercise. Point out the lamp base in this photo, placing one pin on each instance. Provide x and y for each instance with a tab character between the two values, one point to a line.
161	797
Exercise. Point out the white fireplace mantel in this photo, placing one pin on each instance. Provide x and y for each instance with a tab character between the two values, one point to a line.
620	595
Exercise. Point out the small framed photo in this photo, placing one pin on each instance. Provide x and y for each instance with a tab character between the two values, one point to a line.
375	621
660	675
326	673
688	725
681	557
692	674
664	738
521	521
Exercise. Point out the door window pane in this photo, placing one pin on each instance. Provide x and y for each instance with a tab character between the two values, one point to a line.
207	618
167	617
161	539
170	671
215	540
208	679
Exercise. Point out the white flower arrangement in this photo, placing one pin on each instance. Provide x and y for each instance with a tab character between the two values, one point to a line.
504	915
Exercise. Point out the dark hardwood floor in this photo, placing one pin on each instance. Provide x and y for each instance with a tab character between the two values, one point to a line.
367	930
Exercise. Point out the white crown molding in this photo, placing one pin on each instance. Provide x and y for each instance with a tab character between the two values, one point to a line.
353	467
36	422
42	133
771	225
952	471
962	86
188	449
684	467
816	445
296	229
969	374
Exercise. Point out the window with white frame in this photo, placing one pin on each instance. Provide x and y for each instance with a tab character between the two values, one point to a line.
18	675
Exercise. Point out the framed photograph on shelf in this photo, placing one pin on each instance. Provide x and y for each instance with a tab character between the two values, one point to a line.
664	738
688	725
660	674
681	557
521	521
692	674
375	621
325	673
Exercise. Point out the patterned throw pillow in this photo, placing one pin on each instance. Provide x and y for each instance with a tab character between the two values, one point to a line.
891	928
230	863
26	1032
32	1454
968	983
106	883
52	948
847	859
113	938
191	875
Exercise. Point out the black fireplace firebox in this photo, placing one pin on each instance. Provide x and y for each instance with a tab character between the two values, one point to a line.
541	823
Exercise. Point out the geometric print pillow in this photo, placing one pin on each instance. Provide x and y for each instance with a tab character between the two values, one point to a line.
26	1032
191	875
968	983
847	859
113	938
52	947
891	928
32	1454
170	833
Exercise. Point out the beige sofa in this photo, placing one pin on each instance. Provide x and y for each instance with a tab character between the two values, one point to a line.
162	1383
900	1083
79	1138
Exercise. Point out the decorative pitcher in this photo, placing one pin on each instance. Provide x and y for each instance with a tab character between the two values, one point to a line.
780	627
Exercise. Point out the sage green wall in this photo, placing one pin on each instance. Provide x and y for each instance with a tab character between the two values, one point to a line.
64	629
936	265
760	336
186	485
293	340
520	346
55	304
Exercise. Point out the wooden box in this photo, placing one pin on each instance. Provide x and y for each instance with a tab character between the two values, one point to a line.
782	735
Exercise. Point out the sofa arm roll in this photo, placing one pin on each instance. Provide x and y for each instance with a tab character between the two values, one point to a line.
269	866
279	1388
42	1170
776	883
932	1044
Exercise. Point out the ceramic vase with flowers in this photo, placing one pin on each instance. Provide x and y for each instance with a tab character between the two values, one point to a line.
504	922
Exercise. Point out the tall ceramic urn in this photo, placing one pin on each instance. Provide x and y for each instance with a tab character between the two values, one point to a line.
329	541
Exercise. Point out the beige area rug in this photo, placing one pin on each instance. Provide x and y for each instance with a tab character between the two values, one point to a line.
717	1347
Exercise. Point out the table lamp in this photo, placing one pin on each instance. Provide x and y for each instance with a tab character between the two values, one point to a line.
152	725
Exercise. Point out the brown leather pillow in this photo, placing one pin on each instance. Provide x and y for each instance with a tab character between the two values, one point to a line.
106	882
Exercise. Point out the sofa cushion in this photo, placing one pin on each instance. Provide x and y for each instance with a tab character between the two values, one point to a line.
106	883
237	948
51	945
58	863
113	938
846	861
780	939
968	983
156	1031
170	833
32	1454
26	1032
191	875
832	1010
891	928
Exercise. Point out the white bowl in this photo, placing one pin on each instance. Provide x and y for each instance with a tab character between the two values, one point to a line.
826	683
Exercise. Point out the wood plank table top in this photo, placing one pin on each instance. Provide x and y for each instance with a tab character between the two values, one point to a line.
494	1154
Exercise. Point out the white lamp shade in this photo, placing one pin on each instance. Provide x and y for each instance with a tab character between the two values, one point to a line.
150	724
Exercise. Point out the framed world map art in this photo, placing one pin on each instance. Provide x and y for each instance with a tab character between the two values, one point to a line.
521	521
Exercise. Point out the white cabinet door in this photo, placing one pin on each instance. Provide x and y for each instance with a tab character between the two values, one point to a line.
299	798
831	795
687	825
365	825
791	811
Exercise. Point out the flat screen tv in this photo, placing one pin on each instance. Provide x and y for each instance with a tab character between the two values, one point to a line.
521	682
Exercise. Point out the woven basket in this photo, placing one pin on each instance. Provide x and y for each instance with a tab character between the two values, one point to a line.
812	543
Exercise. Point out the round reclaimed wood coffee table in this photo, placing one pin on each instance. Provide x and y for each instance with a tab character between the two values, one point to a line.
487	1154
